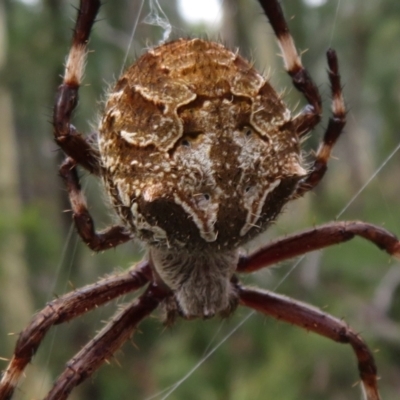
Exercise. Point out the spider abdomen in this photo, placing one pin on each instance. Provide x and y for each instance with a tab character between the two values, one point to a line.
198	149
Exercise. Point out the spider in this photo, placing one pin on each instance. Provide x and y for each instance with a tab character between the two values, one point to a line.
198	155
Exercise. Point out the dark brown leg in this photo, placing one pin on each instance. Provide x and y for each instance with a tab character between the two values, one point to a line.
312	319
111	237
301	79
318	238
64	309
332	133
311	115
105	344
66	135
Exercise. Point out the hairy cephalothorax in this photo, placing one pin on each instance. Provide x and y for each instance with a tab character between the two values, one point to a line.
200	281
198	154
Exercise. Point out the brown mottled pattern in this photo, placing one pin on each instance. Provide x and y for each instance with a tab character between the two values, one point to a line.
198	148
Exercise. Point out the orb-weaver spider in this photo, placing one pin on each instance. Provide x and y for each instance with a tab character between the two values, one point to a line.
199	155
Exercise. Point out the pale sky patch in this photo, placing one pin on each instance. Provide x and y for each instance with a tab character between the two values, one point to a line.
315	3
204	11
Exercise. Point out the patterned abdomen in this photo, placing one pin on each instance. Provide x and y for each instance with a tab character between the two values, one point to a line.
198	149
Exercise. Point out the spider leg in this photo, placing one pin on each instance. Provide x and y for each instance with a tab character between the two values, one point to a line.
97	241
313	319
301	79
65	309
318	238
311	115
106	343
335	127
66	135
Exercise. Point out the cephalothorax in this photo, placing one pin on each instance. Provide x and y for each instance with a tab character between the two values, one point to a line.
198	154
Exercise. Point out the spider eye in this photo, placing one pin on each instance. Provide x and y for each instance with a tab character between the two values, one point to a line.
185	143
202	200
248	131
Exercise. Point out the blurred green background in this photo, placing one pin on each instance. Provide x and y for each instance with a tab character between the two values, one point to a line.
40	255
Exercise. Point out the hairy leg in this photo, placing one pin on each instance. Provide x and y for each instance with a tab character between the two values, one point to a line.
97	241
318	238
301	79
312	319
335	127
64	309
106	343
311	115
66	135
